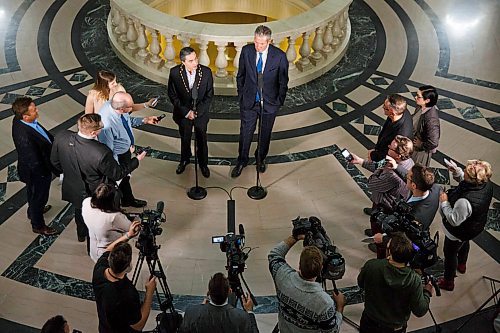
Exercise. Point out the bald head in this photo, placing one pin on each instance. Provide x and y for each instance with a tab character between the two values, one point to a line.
122	102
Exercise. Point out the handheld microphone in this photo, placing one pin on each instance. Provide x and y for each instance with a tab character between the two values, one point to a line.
241	229
194	96
160	205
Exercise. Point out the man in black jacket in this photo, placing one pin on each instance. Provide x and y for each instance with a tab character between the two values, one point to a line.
216	315
398	122
183	80
86	163
33	144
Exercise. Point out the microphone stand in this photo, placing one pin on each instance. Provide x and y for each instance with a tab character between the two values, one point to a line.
258	192
196	192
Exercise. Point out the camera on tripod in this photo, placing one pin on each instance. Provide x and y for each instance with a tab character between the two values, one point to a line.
233	245
150	228
315	235
402	220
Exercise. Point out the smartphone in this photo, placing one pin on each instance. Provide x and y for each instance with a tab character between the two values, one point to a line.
155	101
160	117
217	239
140	150
347	155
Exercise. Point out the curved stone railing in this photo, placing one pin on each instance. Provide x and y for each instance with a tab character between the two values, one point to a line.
143	38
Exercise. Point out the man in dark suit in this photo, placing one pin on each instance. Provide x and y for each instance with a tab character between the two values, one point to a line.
264	58
86	163
183	79
33	144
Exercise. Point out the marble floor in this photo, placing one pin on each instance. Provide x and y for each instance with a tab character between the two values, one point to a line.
49	50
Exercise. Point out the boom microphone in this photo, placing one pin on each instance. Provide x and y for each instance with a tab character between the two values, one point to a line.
241	229
194	95
160	205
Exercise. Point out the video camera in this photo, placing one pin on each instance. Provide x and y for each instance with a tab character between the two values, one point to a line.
315	235
402	220
232	245
150	228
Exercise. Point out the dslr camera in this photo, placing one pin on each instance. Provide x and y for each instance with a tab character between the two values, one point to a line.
315	235
402	220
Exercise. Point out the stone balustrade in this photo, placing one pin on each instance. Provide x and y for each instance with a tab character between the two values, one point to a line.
144	39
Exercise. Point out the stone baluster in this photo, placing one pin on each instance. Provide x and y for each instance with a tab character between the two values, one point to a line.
131	36
155	48
291	53
123	28
185	40
337	34
305	50
346	18
341	20
115	15
236	62
328	39
221	61
203	58
142	43
317	45
169	52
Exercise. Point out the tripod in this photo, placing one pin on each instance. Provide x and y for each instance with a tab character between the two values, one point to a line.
235	284
167	321
196	192
258	192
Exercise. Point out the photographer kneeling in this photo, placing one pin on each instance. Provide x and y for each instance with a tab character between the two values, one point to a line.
104	219
303	304
216	315
392	289
118	303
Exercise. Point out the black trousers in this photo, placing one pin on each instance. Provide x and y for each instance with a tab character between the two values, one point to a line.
249	118
127	195
200	131
81	227
455	252
368	325
37	190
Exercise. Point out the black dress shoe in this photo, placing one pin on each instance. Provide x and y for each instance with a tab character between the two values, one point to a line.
137	203
262	167
205	171
46	231
369	232
181	167
372	247
82	239
237	170
46	208
367	211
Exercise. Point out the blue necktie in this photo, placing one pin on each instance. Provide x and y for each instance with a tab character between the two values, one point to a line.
40	130
259	70
127	128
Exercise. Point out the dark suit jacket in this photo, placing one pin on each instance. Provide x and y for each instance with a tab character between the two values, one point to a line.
208	318
275	78
85	163
180	96
33	151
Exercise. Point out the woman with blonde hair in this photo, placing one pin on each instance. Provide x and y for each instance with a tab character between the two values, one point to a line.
104	88
464	210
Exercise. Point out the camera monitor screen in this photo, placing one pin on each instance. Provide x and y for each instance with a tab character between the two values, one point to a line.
217	239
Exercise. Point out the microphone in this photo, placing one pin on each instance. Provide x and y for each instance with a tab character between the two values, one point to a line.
160	205
194	96
241	229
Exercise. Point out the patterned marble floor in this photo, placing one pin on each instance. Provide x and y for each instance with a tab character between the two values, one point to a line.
49	50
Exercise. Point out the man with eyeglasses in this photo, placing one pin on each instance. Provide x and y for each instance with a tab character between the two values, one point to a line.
386	186
118	136
398	122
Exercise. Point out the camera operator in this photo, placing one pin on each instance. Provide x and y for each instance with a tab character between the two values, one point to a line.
392	289
56	324
303	304
424	198
464	211
216	315
104	218
118	304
